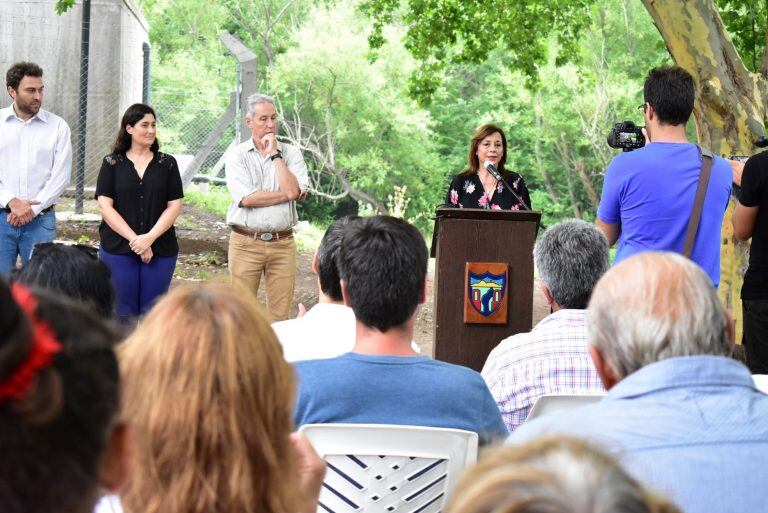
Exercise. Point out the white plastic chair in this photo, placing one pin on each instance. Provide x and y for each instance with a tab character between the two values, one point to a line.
550	403
761	382
386	468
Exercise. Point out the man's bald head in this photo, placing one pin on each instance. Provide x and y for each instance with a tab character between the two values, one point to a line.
655	306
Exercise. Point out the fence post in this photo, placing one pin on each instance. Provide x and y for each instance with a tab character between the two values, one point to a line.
210	142
238	110
146	79
82	112
246	60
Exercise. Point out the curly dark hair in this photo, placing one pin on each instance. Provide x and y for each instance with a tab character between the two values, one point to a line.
20	70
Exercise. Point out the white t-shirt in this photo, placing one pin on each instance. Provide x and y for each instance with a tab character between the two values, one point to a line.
327	330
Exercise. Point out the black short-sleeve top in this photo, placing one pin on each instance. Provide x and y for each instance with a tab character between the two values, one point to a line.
140	201
754	193
466	191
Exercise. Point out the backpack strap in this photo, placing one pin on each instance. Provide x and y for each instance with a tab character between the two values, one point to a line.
707	159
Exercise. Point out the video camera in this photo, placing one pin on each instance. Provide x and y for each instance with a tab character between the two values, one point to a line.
626	136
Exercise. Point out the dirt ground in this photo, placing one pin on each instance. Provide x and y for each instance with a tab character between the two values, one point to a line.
203	239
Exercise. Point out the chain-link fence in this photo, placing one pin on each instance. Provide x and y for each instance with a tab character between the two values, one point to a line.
185	126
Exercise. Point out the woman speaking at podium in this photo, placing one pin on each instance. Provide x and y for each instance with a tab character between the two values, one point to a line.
477	187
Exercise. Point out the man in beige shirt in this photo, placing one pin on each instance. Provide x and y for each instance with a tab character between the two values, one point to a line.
265	178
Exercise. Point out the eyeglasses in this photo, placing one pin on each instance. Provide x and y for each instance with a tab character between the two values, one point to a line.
644	107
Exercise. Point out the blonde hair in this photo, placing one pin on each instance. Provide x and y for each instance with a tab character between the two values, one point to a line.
208	396
552	475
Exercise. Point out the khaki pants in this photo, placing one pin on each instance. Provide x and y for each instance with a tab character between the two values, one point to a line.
248	257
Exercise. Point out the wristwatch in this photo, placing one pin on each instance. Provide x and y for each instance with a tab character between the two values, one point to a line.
277	155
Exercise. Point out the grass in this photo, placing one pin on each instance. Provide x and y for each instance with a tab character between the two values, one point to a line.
216	200
308	236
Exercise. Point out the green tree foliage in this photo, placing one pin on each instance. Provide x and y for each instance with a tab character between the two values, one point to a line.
747	22
267	27
360	113
63	6
445	32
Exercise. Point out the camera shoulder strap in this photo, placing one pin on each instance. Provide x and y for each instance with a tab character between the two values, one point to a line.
707	159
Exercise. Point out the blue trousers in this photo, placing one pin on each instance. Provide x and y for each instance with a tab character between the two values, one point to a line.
137	285
19	241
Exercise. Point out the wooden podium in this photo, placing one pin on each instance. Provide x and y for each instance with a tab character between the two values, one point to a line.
465	237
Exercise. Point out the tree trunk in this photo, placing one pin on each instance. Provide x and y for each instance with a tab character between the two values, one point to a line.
537	150
572	194
586	181
730	107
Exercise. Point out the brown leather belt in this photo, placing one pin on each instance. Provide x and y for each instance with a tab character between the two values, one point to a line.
265	236
44	211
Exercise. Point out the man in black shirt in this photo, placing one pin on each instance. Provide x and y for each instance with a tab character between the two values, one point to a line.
751	220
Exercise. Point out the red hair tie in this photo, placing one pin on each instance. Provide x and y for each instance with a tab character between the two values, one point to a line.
44	346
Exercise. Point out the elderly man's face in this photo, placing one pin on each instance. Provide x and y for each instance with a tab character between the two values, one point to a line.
264	120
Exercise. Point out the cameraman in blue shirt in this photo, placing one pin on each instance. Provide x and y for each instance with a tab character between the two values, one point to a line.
648	194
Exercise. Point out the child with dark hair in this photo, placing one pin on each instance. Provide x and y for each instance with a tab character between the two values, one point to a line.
59	392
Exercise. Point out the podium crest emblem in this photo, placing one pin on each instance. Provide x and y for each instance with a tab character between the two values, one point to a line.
486	292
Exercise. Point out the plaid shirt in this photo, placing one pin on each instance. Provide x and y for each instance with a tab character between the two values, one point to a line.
552	359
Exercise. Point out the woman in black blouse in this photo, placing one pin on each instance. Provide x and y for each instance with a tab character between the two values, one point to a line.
139	193
475	187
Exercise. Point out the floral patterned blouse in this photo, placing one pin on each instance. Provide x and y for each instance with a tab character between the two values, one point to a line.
466	191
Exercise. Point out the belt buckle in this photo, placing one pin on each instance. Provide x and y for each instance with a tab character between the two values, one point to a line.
266	237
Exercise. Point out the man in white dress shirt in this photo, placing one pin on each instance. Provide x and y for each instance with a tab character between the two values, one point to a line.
265	178
328	328
35	166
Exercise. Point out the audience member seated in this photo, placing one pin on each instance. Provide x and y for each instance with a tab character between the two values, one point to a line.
328	328
208	398
552	475
59	395
686	419
383	263
71	270
553	358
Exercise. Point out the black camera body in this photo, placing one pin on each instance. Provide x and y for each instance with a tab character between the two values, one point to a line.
626	136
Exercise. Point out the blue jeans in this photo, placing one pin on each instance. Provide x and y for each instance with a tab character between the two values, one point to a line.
137	285
20	241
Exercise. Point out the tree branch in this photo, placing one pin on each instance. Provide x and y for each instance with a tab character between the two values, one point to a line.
282	12
328	124
296	133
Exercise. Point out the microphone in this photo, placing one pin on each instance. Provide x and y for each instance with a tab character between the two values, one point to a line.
488	165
